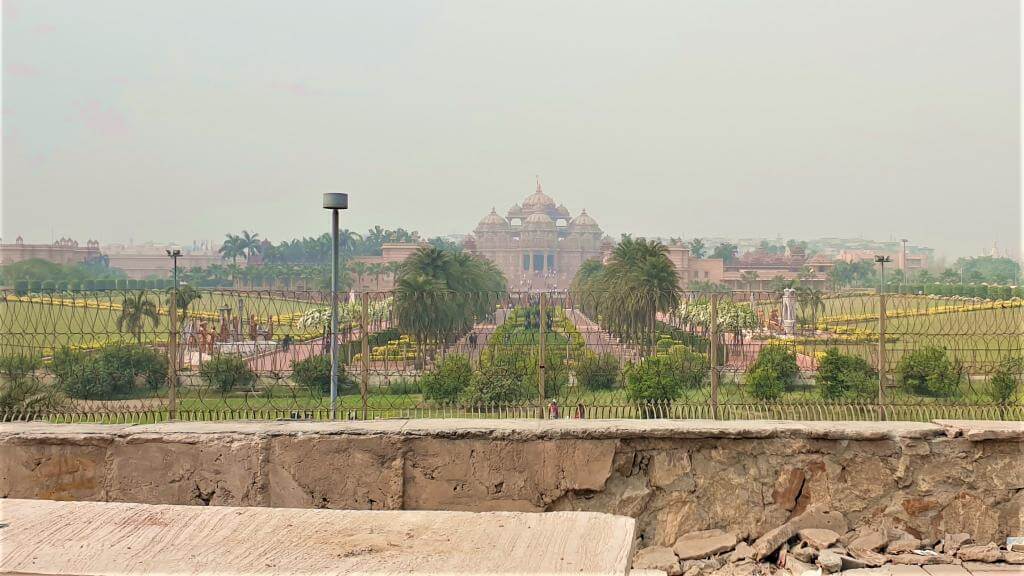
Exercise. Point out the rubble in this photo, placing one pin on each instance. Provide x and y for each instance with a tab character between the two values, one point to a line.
810	544
703	544
979	553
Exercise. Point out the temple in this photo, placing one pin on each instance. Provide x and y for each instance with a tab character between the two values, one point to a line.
538	245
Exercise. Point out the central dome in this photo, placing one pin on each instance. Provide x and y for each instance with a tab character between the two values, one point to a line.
538	201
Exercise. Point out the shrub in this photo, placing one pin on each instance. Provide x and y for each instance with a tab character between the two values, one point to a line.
928	372
49	286
1005	380
597	371
227	372
112	370
498	384
15	367
35	286
652	380
845	375
29	395
688	367
21	287
80	375
448	380
314	373
774	371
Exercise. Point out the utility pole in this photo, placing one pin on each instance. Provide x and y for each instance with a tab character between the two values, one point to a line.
172	343
881	335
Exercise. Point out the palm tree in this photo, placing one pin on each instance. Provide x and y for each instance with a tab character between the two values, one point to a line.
638	282
359	269
186	295
249	244
749	278
136	309
231	248
376	270
809	298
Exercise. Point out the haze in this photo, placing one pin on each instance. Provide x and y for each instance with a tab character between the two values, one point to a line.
184	120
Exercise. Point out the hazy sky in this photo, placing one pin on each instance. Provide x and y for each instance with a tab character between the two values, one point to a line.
179	120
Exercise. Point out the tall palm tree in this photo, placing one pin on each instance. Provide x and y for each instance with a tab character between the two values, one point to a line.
376	270
249	244
359	269
638	282
185	297
231	248
136	309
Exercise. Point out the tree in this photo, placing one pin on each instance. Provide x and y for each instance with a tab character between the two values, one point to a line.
248	244
136	309
359	269
697	248
726	251
809	298
231	248
376	270
638	282
749	278
186	295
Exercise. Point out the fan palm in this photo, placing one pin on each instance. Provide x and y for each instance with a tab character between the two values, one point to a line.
136	310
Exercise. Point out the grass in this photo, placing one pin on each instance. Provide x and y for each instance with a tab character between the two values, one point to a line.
86	319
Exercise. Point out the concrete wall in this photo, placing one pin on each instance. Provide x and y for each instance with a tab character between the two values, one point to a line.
672	476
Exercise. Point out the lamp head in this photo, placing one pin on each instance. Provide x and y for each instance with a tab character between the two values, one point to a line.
881	259
336	201
173	253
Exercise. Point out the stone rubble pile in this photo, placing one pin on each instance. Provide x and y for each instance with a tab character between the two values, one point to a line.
816	541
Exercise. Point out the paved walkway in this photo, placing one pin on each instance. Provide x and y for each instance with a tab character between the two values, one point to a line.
967	569
599	340
47	537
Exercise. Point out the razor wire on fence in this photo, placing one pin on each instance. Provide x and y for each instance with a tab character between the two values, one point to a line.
144	356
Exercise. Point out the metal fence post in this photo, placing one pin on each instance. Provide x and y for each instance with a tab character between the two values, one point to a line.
364	334
713	353
881	355
172	358
541	368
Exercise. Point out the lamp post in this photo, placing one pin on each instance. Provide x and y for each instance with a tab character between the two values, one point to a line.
334	201
881	261
174	255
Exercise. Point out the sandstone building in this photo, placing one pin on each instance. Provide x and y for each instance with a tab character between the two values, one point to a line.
538	244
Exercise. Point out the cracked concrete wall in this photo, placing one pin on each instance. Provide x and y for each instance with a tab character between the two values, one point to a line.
673	477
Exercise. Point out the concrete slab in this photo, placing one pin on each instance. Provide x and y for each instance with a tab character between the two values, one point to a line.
946	570
982	429
94	538
1003	569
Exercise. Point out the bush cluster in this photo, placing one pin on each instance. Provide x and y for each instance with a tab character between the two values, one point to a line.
314	373
597	371
448	380
845	376
663	377
226	372
773	373
1004	384
114	370
929	372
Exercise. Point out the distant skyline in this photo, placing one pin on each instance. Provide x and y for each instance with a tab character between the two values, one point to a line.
186	120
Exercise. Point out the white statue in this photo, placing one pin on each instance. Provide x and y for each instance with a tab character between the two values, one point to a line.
789	311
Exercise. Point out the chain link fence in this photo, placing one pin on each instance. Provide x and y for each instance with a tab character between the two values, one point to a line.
144	356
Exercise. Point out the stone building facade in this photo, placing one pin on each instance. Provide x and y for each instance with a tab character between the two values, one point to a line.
538	245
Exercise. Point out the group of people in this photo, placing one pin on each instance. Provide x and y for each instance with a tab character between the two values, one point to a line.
203	335
554	412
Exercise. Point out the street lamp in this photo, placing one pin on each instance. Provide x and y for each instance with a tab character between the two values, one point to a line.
903	263
174	255
881	261
334	201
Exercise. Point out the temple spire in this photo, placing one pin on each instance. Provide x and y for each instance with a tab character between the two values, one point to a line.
538	183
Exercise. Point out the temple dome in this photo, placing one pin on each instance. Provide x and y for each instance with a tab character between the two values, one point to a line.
538	201
493	221
584	221
539	220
